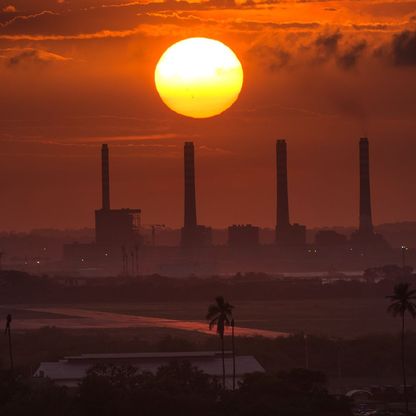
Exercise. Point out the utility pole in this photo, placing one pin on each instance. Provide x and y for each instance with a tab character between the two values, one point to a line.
305	339
233	346
156	227
125	259
404	250
136	251
339	357
8	332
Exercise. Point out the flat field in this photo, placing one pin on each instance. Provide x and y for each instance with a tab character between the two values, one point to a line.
343	318
339	318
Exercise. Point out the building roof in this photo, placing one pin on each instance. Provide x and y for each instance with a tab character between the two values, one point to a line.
149	355
70	370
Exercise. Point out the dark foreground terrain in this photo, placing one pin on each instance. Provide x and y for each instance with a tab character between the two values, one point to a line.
335	332
176	389
373	359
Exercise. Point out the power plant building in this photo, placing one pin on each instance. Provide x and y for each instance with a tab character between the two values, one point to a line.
114	227
118	245
240	236
117	232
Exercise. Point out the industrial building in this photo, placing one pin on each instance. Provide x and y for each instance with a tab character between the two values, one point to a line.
118	246
240	236
117	234
114	227
70	371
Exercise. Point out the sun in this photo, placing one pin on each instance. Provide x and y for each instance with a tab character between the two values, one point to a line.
199	77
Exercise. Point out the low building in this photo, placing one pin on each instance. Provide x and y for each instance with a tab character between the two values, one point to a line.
71	370
243	236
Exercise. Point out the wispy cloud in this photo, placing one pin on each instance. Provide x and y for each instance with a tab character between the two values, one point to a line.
28	17
20	56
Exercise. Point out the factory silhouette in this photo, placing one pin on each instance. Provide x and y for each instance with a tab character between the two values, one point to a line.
119	246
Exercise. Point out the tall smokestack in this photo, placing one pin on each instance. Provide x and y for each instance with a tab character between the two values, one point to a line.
282	213
105	169
190	202
366	223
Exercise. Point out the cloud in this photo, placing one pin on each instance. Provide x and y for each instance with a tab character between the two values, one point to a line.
29	17
340	48
16	57
9	9
128	138
345	54
403	48
349	59
141	140
400	51
326	45
274	58
102	34
372	27
252	25
215	151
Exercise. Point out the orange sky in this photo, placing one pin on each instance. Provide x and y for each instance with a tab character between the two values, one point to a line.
74	74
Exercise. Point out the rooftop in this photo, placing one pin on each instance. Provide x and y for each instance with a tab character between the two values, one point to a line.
71	370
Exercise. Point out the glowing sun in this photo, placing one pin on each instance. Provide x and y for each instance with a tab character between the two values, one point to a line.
199	77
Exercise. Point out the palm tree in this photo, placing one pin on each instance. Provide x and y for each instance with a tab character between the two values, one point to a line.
402	302
220	315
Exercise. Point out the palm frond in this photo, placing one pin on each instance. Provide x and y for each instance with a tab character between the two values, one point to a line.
212	323
401	300
212	311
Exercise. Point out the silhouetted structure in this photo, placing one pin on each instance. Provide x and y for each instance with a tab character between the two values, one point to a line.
190	198
330	238
8	332
366	221
70	371
117	234
105	172
114	226
118	245
240	236
286	233
192	234
365	235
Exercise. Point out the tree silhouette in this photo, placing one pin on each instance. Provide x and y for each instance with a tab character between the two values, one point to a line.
402	302
220	315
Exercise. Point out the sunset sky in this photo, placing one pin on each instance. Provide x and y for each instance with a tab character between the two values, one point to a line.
320	74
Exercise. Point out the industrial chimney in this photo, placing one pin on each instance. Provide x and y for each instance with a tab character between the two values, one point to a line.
105	168
192	235
366	223
286	234
190	201
282	212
